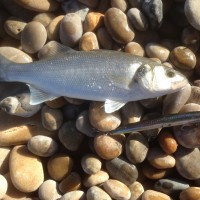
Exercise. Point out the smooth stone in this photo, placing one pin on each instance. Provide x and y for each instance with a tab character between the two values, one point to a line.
43	146
70	183
117	190
151	103
191	193
104	38
120	4
48	190
96	193
95	179
90	3
190	35
170	186
190	107
160	159
44	18
15	55
71	29
53	28
121	170
69	136
93	21
4	159
59	166
4	186
39	6
116	23
167	141
173	103
56	103
91	164
154	12
108	147
26	170
138	19
183	58
30	41
187	163
192	13
14	26
157	51
83	124
101	120
136	147
52	119
73	195
137	190
194	96
135	49
8	41
88	42
154	195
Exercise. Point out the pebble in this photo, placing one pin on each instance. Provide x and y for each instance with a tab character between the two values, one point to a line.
167	141
194	96
48	190
44	18
154	195
187	163
103	121
91	164
170	186
38	6
70	183
190	35
135	3
15	55
59	166
43	146
120	4
136	147
135	49
96	193
9	41
157	51
95	179
108	147
138	19
73	195
69	136
56	103
116	23
117	190
14	26
4	159
191	193
121	170
30	41
88	42
52	119
93	21
4	186
26	170
104	38
183	58
190	107
154	12
192	14
71	29
136	190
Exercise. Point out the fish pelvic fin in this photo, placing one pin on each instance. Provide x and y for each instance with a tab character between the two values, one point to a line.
4	63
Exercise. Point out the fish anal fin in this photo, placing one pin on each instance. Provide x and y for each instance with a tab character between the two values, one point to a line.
112	106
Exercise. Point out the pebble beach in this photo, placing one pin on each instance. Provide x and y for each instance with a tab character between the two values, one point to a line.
60	150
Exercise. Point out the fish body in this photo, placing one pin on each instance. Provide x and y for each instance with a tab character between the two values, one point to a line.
110	76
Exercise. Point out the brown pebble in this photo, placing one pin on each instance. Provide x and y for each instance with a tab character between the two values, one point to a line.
73	195
4	159
190	107
136	190
56	103
190	35
44	18
120	4
195	95
96	193
135	49
191	193
154	195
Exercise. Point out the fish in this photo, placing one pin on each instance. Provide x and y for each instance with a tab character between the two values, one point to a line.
98	75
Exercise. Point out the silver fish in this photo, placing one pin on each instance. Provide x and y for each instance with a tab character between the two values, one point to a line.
101	75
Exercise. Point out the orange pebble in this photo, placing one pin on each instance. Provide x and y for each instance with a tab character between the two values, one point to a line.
167	141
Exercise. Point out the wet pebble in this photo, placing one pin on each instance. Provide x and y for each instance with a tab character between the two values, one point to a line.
4	186
96	193
191	193
73	195
44	18
117	190
120	4
26	170
59	166
4	159
136	190
30	41
121	170
135	49
154	195
91	164
116	24
42	146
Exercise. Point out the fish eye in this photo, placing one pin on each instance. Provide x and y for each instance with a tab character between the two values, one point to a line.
170	73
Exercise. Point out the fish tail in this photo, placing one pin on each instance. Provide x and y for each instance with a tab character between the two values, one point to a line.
4	63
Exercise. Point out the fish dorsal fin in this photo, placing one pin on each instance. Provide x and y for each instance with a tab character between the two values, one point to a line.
54	48
112	106
38	96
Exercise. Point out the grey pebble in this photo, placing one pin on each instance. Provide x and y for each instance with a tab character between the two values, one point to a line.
44	18
96	193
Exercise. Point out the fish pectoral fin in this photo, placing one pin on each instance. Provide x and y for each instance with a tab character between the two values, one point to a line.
38	96
112	106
